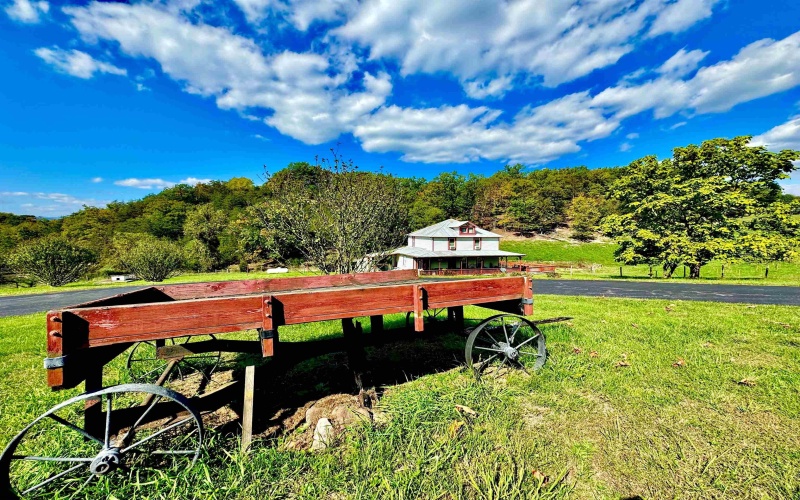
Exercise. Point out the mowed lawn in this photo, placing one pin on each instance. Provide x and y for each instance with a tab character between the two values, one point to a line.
596	261
653	398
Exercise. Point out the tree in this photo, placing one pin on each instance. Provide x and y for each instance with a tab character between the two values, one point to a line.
53	260
585	213
206	224
149	258
692	208
341	221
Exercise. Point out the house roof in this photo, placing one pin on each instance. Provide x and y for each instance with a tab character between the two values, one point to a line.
417	252
449	229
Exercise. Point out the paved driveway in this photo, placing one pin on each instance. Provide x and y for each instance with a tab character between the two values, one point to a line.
782	295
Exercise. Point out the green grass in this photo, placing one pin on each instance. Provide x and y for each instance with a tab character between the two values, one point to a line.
596	261
11	289
596	429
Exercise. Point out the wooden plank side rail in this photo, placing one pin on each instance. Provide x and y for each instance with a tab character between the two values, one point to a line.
102	330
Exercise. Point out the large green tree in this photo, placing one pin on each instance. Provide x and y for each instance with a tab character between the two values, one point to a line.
694	207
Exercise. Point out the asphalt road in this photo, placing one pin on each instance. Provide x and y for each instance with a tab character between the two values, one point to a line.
781	295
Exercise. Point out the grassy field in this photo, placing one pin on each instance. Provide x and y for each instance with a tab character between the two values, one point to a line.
11	289
638	398
596	261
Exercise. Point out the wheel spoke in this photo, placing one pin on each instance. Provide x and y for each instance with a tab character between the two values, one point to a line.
505	332
75	428
108	420
528	340
151	436
531	353
484	364
488	349
139	420
52	478
517	326
174	452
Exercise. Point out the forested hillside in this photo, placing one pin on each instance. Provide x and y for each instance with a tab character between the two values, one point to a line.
717	200
214	217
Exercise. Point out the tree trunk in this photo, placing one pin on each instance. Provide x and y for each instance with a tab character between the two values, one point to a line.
669	269
694	271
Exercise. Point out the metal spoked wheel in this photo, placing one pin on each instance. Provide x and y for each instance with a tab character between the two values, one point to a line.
55	456
144	366
430	315
505	340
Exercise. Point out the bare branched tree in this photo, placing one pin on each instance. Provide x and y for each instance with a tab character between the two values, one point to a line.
340	219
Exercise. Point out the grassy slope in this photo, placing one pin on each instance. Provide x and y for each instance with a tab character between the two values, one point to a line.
582	256
650	429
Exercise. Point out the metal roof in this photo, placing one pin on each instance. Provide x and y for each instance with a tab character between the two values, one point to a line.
443	254
449	229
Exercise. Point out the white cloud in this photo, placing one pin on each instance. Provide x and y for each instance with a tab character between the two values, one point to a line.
97	179
682	63
540	134
158	183
783	136
26	11
681	15
625	146
144	183
300	13
59	198
76	63
632	135
487	41
308	97
677	125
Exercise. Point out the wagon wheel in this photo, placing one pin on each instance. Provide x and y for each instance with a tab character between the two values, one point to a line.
144	366
430	315
55	456
507	339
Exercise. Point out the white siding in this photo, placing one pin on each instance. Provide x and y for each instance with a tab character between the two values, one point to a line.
439	245
404	262
490	244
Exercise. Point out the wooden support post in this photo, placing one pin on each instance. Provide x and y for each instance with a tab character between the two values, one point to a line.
268	335
456	317
93	419
247	409
419	307
376	324
356	357
527	296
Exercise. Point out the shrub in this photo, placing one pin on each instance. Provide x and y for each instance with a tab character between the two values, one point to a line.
151	259
53	260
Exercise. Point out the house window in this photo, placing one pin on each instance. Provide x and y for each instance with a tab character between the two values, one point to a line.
467	229
476	243
451	243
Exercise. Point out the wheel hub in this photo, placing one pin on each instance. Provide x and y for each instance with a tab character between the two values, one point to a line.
106	461
509	351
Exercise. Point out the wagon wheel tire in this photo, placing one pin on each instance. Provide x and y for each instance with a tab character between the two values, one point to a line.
507	339
145	367
55	456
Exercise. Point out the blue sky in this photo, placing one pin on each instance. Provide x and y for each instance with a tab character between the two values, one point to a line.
110	101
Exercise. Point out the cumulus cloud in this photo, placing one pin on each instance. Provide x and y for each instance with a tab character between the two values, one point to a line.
783	136
76	63
97	179
26	11
625	146
681	15
682	63
309	98
300	13
540	134
158	183
632	135
486	43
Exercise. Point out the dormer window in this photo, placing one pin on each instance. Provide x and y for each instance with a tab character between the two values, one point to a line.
451	243
467	228
476	243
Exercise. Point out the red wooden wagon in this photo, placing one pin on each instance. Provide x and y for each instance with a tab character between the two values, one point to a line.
146	425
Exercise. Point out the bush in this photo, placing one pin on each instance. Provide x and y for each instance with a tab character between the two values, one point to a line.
151	259
53	260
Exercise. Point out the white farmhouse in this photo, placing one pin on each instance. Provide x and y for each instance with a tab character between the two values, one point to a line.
457	246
